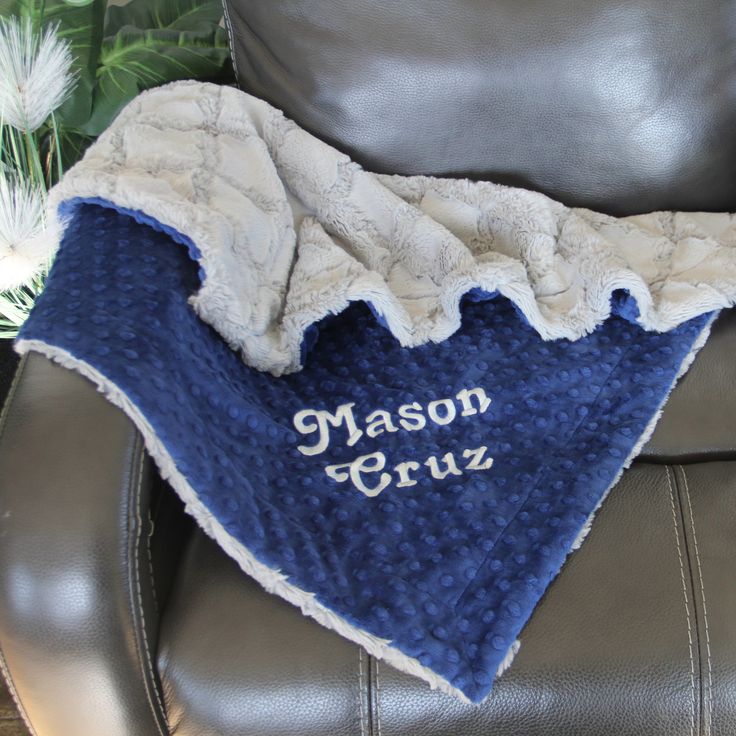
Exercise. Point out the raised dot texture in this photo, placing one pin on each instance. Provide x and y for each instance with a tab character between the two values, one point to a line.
447	569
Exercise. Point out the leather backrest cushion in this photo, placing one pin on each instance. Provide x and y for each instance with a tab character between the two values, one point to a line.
624	106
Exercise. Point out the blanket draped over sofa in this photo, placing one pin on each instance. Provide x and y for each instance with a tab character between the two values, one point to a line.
396	401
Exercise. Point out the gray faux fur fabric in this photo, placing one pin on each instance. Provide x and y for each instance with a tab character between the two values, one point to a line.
291	230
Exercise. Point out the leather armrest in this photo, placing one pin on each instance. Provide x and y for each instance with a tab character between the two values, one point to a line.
78	618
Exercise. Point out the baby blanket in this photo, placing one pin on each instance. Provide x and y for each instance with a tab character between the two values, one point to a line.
396	401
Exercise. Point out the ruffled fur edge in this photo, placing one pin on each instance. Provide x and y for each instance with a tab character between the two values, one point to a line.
288	230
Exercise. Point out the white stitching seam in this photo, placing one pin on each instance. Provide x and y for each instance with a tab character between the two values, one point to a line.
149	682
360	691
231	38
14	694
150	564
709	710
687	605
378	700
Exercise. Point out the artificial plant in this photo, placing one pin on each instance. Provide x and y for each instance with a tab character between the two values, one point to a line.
68	68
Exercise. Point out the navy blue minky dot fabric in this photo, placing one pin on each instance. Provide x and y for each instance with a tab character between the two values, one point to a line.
447	568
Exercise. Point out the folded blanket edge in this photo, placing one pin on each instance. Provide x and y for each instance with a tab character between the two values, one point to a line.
248	288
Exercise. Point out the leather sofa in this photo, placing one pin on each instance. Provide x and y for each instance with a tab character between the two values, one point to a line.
119	617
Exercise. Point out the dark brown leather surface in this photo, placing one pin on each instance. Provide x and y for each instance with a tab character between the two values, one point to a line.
614	648
78	623
617	105
699	420
235	660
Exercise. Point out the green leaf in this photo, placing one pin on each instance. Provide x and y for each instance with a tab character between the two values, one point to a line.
10	7
73	146
82	26
152	42
181	15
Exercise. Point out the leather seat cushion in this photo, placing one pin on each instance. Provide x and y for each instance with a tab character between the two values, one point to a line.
699	419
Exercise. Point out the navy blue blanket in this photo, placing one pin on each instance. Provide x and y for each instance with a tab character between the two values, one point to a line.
422	498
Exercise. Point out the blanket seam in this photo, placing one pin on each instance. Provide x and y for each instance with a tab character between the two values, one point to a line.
540	477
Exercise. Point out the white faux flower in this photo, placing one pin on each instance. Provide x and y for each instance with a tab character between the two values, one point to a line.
36	73
25	245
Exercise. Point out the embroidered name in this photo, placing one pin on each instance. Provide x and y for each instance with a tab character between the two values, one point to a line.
409	418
